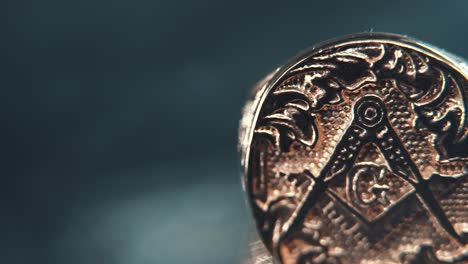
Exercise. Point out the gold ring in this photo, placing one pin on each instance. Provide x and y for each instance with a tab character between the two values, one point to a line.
356	151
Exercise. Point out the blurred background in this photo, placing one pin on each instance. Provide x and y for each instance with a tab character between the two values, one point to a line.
119	118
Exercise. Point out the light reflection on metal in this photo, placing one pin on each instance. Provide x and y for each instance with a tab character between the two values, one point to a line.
355	152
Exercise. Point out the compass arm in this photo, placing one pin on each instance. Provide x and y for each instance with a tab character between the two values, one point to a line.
402	165
343	157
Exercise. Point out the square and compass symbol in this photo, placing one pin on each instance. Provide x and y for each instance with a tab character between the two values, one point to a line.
354	154
370	188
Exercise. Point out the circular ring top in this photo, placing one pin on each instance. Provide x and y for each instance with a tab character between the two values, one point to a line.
356	152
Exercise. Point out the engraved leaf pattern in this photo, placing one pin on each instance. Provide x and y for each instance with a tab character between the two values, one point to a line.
436	95
320	81
438	101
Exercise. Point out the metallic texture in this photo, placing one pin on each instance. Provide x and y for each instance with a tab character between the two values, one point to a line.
356	152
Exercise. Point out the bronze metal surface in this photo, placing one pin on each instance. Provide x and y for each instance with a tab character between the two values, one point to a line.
356	152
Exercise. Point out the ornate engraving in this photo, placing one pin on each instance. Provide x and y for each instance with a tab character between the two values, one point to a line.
358	155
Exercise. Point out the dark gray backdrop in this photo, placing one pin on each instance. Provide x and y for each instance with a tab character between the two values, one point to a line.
119	118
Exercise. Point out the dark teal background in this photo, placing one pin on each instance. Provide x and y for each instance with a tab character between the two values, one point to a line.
119	118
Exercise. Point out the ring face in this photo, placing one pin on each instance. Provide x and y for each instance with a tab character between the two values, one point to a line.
356	152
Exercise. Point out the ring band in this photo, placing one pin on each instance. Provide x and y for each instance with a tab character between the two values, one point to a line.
356	151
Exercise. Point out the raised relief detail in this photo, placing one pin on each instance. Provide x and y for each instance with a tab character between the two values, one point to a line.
359	155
